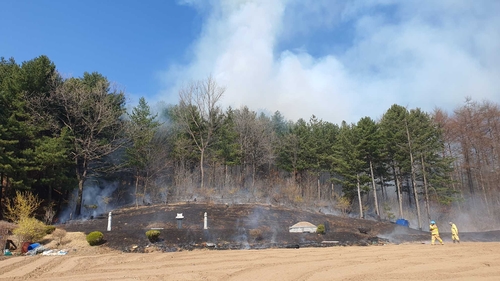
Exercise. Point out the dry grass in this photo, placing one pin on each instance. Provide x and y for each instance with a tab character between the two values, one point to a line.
74	243
7	225
5	231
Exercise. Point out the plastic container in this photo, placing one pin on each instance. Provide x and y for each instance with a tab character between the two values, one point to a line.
33	246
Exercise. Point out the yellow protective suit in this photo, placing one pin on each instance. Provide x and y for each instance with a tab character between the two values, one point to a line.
454	233
435	234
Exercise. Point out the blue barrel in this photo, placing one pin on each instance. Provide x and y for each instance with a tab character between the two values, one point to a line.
33	246
403	222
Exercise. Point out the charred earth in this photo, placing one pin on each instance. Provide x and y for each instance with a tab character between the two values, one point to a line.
239	226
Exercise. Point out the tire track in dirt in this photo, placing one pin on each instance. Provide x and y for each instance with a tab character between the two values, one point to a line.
39	271
12	263
469	261
317	264
27	268
68	264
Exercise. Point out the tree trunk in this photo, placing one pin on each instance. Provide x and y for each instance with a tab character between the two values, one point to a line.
413	178
416	199
377	211
253	174
382	186
216	185
225	177
78	209
410	189
398	188
136	190
425	189
468	170
319	191
81	181
359	199
455	175
49	195
1	196
201	167
484	193
146	181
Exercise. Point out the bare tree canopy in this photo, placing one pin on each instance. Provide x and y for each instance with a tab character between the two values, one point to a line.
199	114
92	114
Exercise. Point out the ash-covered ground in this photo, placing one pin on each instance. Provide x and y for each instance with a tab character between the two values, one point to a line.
245	226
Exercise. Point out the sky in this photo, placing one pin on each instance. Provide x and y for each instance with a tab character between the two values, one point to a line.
335	59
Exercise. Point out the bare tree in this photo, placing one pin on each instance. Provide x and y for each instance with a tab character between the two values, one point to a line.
255	138
199	115
91	112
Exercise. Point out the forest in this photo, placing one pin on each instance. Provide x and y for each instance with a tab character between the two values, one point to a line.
72	143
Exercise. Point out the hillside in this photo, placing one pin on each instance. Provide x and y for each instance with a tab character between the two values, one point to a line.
239	226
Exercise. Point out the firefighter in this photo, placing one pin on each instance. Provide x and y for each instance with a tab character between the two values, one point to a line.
454	233
435	233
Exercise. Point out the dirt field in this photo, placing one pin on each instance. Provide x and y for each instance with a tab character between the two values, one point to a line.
466	261
386	251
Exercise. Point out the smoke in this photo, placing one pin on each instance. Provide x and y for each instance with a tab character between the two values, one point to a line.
470	214
336	59
96	200
241	236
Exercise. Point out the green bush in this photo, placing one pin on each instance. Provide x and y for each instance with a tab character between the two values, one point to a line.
153	235
321	229
30	229
49	229
95	238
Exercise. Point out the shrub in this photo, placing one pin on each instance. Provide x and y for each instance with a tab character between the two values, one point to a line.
387	210
344	205
95	238
49	214
153	235
59	234
22	206
30	229
256	234
49	229
321	229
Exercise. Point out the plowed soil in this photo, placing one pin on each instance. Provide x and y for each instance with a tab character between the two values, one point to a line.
465	261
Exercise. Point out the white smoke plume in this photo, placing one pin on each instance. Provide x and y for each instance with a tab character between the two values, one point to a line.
342	60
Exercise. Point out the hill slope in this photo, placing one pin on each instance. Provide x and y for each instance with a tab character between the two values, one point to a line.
240	226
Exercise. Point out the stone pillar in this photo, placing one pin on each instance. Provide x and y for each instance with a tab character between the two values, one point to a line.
109	221
205	221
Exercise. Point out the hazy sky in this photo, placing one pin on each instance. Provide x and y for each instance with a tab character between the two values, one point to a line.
338	60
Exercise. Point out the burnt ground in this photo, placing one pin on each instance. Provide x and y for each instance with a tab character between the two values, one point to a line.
244	226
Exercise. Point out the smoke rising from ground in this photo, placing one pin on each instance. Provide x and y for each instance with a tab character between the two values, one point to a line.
97	199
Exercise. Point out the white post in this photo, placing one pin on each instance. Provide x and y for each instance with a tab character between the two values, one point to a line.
179	218
205	221
109	221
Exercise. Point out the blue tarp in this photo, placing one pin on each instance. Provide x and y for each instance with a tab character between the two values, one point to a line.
403	222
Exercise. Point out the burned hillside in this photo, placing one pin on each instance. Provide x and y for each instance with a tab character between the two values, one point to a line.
237	226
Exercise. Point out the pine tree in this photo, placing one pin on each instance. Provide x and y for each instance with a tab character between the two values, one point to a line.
370	150
349	164
141	130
